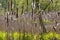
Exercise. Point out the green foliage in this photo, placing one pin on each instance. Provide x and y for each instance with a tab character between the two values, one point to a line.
25	36
46	21
46	5
16	36
2	35
49	6
4	3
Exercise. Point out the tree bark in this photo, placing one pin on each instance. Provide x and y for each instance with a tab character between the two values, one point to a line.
41	23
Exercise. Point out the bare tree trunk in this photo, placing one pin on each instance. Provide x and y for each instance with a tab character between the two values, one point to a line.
41	23
32	9
27	6
17	13
37	4
7	27
11	5
8	6
40	17
51	1
22	10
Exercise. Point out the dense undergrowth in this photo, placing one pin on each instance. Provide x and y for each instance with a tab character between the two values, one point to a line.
25	36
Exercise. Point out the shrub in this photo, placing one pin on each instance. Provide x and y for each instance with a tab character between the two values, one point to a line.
2	35
26	36
16	35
